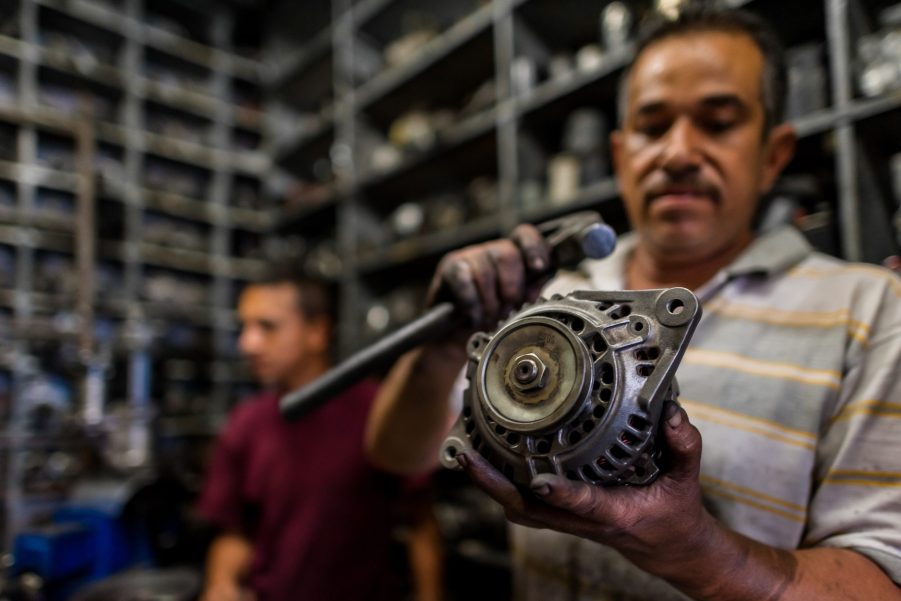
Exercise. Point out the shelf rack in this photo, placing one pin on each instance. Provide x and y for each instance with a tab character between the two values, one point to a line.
489	36
159	97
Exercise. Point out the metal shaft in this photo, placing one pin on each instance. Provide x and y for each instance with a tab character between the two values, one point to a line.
438	320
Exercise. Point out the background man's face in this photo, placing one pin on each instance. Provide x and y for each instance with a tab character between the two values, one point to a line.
276	339
691	157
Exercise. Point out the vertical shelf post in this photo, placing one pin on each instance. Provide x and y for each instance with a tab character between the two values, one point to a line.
846	153
347	209
218	198
132	113
23	365
506	121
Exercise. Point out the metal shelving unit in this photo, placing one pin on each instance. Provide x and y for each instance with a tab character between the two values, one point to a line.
489	39
181	151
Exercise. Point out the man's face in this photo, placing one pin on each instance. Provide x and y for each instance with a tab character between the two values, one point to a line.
691	158
276	339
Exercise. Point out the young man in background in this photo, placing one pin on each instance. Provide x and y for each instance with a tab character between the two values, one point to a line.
302	514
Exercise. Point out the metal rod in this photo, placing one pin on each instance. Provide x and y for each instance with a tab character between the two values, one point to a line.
437	321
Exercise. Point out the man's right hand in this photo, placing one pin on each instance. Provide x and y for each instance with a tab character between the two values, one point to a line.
487	281
227	565
412	412
226	592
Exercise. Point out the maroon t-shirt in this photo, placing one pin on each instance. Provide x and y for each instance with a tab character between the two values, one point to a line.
303	492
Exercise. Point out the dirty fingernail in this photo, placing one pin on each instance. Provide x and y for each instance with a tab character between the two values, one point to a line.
670	408
542	490
672	414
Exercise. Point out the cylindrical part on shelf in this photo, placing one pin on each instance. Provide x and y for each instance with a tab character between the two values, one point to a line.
806	81
563	178
523	75
616	27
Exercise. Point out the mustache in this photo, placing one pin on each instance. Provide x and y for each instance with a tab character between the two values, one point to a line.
665	184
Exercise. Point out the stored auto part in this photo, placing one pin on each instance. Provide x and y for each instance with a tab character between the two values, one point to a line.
575	386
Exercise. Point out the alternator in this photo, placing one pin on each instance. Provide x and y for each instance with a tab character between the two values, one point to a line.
575	386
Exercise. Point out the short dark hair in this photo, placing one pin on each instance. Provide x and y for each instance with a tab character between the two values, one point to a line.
316	296
707	17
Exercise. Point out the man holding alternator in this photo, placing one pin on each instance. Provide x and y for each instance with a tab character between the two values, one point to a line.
792	377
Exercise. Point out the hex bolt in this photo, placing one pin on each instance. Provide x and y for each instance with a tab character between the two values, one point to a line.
529	373
525	371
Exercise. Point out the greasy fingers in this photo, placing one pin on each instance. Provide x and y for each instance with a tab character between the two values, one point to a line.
485	281
684	441
576	497
522	518
488	280
533	247
511	276
491	481
538	260
485	275
454	281
518	508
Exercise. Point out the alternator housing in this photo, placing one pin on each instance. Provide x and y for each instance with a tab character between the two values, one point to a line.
575	385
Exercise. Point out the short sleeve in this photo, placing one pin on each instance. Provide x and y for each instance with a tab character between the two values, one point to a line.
857	500
220	499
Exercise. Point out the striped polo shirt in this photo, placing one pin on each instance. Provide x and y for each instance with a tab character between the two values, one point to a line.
793	377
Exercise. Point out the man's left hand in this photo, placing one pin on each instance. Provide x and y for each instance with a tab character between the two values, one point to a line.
648	524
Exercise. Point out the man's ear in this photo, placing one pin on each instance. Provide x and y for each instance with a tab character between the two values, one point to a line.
319	334
616	149
780	148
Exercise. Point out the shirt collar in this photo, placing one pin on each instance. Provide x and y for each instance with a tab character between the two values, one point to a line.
769	254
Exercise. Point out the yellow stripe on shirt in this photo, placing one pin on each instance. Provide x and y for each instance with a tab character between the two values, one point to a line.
857	330
864	473
750	492
863	478
766	369
869	407
814	272
762	427
862	482
716	492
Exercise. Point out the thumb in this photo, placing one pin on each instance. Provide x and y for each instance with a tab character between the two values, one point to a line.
684	442
576	497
